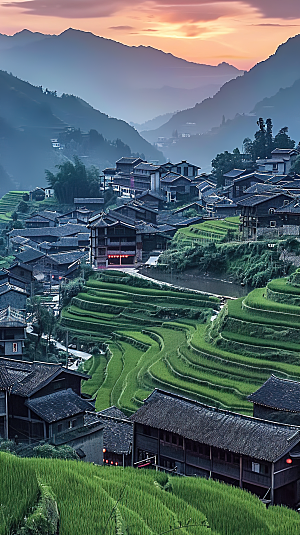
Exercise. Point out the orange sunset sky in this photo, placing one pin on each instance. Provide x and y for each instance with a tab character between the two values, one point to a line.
241	32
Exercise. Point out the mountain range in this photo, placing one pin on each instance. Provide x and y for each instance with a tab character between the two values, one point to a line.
269	89
128	82
31	117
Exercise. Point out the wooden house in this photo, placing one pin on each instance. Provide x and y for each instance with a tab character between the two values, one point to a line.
259	212
280	162
12	332
117	436
41	401
137	210
190	438
114	242
244	182
185	168
152	198
13	296
277	400
232	175
177	187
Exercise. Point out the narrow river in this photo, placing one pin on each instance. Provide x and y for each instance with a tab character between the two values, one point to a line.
194	281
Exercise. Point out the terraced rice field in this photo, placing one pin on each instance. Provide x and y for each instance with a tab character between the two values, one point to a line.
208	231
219	363
9	203
93	500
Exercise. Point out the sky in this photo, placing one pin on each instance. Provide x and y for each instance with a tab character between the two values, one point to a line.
240	32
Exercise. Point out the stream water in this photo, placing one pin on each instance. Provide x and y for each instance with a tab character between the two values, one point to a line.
195	281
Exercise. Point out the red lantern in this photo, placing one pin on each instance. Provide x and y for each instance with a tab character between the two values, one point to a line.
289	461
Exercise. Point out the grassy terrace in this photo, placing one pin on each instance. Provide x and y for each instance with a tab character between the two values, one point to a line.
208	231
94	500
163	338
9	203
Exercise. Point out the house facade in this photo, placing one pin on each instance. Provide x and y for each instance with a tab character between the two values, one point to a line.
42	402
193	439
259	212
113	242
280	162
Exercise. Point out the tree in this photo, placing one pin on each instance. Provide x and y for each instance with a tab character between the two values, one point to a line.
282	140
73	180
224	162
296	166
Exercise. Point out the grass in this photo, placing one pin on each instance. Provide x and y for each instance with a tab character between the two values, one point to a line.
208	231
9	203
93	499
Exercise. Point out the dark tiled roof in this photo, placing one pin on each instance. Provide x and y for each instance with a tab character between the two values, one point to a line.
240	434
6	287
263	177
30	255
146	166
153	194
59	405
262	188
284	151
234	173
21	265
117	430
63	230
89	200
27	378
280	394
291	208
67	258
77	433
172	177
258	199
5	380
128	160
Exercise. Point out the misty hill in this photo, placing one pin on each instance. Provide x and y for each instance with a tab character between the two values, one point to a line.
133	83
240	95
283	108
29	118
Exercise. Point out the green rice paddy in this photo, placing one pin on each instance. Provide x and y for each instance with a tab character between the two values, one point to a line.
93	500
165	339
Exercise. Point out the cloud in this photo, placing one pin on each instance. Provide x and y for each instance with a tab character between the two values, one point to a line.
189	10
70	8
278	25
121	28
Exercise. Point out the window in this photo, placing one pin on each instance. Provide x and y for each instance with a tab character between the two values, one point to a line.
285	202
72	423
255	467
275	166
272	223
15	347
186	171
179	170
271	211
59	428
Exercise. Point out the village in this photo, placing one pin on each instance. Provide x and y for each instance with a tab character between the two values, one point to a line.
43	402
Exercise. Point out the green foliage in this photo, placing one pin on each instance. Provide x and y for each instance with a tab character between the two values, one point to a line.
225	162
48	451
93	499
9	203
73	180
69	290
44	519
295	168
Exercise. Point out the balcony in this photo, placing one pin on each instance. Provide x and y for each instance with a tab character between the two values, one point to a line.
119	252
